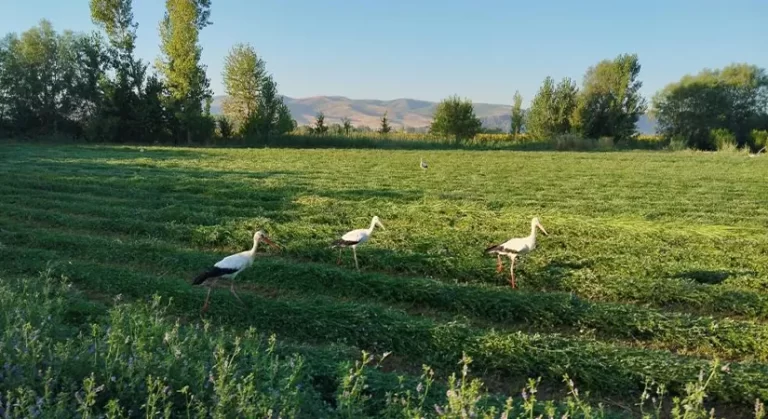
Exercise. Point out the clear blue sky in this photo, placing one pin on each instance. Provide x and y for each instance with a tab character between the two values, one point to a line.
429	49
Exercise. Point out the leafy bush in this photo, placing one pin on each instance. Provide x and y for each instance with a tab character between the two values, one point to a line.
225	129
114	367
455	117
723	140
677	143
162	368
573	142
759	138
605	143
696	105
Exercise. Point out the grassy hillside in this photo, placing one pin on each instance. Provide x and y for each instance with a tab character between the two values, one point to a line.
654	265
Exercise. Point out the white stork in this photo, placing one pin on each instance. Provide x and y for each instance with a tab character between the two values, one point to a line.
355	238
515	247
231	266
423	164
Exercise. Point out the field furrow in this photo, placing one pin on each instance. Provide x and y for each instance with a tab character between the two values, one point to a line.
499	308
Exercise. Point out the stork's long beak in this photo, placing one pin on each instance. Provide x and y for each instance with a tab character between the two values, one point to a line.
270	242
542	229
381	225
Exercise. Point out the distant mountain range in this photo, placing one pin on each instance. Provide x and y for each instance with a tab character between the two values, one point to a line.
411	113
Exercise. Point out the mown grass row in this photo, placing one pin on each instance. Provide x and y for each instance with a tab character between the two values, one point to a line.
600	367
681	332
687	333
134	360
661	187
112	219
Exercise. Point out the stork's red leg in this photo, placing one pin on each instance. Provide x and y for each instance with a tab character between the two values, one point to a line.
205	305
338	261
512	272
232	289
499	266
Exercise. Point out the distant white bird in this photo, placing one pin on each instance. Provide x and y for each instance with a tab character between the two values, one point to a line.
515	247
423	164
758	152
231	266
355	238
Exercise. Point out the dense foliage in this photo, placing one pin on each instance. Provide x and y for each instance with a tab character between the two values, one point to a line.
609	102
734	98
552	109
98	363
456	118
93	87
517	118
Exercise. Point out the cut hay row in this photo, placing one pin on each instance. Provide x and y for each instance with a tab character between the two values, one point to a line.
600	367
681	332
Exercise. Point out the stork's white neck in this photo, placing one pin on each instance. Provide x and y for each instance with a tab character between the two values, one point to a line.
373	224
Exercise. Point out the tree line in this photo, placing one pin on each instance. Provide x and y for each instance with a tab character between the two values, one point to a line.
92	86
707	111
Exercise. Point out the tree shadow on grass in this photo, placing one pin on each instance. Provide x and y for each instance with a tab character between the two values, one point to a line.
200	193
712	277
101	152
553	274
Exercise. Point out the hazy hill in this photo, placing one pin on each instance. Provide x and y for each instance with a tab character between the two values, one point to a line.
409	112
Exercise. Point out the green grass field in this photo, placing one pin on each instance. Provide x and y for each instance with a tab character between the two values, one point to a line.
656	263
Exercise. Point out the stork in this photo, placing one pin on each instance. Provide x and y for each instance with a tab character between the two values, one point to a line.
355	238
230	267
512	248
423	164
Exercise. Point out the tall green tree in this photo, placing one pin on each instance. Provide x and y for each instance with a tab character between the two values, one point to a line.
130	108
44	79
115	17
385	128
244	75
517	117
187	83
610	103
455	117
734	98
553	108
285	122
565	103
320	128
540	119
346	125
252	98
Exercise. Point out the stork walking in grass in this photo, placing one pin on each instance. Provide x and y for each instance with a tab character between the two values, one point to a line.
513	248
230	267
423	164
355	238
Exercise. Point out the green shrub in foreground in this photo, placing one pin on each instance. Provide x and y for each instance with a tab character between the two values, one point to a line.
138	363
136	358
599	366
